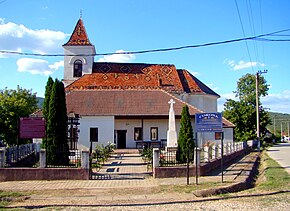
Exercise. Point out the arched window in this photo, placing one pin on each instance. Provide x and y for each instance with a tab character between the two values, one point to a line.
78	68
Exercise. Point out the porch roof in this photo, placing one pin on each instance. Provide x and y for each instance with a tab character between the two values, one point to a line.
126	103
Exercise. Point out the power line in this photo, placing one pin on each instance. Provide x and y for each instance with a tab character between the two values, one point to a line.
241	22
257	37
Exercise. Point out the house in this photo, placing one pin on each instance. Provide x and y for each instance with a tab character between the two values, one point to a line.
125	103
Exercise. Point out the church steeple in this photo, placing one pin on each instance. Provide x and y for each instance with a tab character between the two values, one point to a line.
78	54
79	35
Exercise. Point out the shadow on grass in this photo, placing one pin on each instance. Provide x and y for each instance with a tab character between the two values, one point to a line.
150	203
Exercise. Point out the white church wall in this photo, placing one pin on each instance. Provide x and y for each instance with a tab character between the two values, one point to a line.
105	125
206	103
69	60
130	124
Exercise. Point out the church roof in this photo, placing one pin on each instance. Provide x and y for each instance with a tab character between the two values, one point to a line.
79	36
126	103
140	76
123	103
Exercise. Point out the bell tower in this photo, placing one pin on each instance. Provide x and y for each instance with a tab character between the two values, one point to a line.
78	55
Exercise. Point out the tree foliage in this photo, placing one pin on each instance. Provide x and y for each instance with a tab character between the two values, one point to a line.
45	108
242	112
13	105
185	138
57	146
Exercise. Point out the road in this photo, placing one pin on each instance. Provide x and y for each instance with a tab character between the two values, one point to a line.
281	153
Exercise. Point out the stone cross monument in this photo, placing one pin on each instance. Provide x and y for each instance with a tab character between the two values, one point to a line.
171	133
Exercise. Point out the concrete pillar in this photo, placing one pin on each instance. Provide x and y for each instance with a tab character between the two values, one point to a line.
225	149
206	154
156	157
228	148
85	159
2	157
213	152
42	158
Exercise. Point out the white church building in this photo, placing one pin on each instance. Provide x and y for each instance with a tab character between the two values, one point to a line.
127	103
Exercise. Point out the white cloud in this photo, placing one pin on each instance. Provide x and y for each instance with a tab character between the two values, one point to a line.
242	64
17	37
275	102
37	66
221	101
123	58
212	86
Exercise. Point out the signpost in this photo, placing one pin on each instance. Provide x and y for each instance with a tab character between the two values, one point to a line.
209	122
32	127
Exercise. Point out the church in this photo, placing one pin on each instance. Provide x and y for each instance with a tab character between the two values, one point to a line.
127	103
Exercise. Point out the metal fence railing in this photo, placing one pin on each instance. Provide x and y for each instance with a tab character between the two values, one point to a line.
16	154
170	158
62	157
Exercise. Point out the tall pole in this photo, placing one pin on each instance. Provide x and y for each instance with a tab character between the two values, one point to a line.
257	106
288	129
281	130
274	125
257	110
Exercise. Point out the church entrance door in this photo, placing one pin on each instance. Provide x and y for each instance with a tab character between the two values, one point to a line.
121	139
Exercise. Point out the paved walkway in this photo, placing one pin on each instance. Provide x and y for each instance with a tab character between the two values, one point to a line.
280	153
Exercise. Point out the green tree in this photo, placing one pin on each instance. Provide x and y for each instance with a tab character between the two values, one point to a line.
242	112
185	138
13	105
57	146
45	108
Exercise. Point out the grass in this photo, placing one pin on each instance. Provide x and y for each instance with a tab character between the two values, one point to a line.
7	197
274	177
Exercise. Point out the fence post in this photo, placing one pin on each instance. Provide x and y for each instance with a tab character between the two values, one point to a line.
213	152
2	157
156	159
42	158
219	151
206	154
85	160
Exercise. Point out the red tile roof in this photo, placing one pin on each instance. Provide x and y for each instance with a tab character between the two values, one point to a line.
126	103
140	76
79	35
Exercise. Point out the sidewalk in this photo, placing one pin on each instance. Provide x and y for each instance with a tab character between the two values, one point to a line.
238	172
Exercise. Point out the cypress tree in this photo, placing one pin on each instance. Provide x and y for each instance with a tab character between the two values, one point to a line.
185	138
45	108
57	146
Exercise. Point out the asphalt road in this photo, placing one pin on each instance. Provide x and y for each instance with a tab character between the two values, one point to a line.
281	153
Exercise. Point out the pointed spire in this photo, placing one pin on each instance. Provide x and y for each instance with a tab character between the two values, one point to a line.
79	35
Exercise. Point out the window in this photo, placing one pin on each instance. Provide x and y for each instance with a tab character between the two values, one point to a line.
138	133
154	133
78	68
218	135
94	134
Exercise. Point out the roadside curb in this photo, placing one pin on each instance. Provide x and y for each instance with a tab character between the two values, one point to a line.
244	182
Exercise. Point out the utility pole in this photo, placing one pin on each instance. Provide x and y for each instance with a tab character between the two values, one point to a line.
257	106
274	125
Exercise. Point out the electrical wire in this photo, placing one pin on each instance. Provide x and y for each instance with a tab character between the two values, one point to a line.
257	37
241	22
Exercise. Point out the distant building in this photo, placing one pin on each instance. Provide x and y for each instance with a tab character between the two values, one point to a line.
125	103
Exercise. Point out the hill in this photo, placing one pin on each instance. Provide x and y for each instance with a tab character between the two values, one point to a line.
279	120
40	102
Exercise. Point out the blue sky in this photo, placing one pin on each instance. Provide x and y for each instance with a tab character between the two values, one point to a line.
43	26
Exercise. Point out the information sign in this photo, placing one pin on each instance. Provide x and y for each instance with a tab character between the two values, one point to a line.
208	122
33	127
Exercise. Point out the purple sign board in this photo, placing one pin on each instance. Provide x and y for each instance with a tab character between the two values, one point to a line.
33	127
208	122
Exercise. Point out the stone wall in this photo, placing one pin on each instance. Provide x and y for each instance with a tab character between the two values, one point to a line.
22	174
